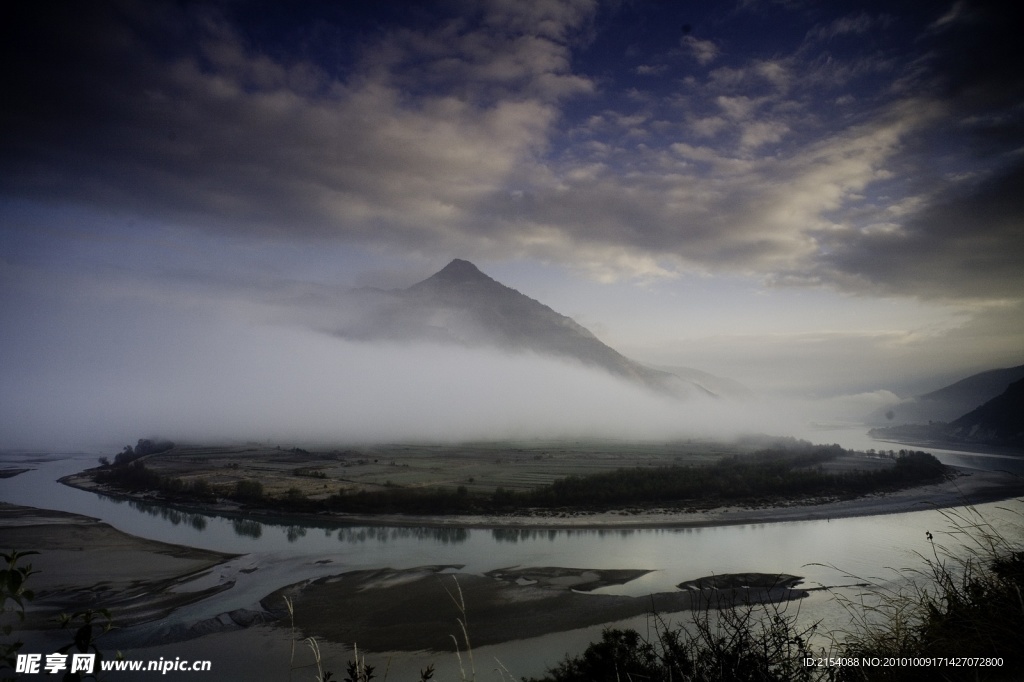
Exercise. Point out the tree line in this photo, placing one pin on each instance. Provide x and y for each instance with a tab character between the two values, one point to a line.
779	473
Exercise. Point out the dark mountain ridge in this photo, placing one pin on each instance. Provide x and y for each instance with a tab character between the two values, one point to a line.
979	387
997	422
1000	420
949	402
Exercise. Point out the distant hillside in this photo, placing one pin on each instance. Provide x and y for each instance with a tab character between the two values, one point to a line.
950	402
461	305
998	422
720	386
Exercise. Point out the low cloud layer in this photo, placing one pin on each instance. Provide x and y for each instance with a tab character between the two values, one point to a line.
228	380
99	361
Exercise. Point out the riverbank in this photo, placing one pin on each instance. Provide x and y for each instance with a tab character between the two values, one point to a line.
887	436
964	487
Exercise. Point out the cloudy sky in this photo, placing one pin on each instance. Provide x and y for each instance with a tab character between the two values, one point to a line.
811	198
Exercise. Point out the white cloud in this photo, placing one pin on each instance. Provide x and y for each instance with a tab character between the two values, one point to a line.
704	51
854	24
738	108
956	12
651	69
760	133
740	212
708	126
553	19
775	72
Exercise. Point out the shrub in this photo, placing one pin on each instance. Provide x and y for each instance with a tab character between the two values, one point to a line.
14	594
740	643
248	490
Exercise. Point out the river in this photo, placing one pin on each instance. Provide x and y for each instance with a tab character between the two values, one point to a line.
285	554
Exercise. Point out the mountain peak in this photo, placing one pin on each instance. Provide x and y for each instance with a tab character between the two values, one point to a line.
461	269
461	304
458	272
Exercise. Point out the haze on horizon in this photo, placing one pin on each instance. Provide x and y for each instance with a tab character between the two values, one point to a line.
822	203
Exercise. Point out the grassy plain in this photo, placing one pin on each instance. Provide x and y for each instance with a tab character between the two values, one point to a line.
478	467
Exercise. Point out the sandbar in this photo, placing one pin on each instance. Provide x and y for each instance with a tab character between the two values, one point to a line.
84	563
421	608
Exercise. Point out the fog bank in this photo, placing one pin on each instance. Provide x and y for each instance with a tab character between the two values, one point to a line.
230	380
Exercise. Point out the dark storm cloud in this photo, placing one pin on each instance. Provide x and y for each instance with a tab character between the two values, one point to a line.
978	237
834	150
177	114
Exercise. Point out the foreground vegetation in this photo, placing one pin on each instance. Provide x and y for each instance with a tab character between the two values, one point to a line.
965	602
796	470
85	627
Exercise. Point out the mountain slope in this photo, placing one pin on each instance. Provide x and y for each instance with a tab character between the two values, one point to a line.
460	304
998	422
978	388
949	402
720	386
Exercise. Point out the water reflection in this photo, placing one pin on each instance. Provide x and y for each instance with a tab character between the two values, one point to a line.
175	516
514	535
247	528
361	534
